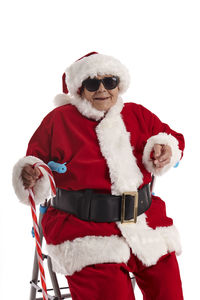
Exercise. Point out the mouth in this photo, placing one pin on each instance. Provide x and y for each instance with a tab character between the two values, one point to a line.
101	98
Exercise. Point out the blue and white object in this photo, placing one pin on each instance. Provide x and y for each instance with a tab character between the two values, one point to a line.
176	165
56	167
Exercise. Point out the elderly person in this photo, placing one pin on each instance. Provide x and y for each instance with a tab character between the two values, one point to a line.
112	150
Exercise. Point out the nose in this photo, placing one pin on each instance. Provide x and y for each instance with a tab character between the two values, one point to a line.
101	88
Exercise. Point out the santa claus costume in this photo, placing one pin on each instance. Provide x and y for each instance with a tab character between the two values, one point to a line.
106	154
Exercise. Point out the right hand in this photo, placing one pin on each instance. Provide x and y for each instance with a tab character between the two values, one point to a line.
30	176
161	155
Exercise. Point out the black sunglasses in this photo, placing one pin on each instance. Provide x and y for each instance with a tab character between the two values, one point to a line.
93	84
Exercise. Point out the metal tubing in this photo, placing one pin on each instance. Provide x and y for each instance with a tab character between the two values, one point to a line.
152	184
34	277
53	279
35	272
66	296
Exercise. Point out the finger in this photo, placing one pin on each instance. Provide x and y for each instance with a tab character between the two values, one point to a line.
28	184
28	178
164	156
25	173
28	187
166	153
27	181
157	150
28	170
30	173
36	172
162	164
167	149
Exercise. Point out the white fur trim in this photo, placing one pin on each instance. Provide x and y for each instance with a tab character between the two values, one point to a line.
171	237
93	65
164	139
83	106
42	189
72	256
86	109
150	244
115	146
62	99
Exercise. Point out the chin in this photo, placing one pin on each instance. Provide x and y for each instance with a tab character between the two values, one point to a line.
105	106
102	108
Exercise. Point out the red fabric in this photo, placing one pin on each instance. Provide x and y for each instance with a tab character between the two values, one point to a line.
91	53
111	281
156	214
64	85
67	136
59	226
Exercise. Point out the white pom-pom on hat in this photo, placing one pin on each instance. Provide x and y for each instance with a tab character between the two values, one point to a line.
62	99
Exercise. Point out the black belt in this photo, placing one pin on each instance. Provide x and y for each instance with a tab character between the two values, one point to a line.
90	206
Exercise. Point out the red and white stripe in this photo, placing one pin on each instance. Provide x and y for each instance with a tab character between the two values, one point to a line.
36	228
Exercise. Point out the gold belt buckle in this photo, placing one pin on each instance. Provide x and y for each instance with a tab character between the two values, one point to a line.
135	211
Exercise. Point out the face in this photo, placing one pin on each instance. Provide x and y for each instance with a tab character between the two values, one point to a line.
101	99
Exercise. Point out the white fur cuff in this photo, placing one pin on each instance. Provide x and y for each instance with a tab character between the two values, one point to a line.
164	139
42	189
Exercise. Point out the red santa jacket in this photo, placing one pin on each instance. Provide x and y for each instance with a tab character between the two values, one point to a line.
110	155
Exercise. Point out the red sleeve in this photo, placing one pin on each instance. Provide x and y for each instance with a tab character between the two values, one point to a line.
161	133
156	126
40	143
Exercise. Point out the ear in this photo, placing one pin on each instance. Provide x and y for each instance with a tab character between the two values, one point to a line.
119	91
80	91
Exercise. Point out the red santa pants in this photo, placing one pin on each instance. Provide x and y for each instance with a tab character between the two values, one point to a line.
111	281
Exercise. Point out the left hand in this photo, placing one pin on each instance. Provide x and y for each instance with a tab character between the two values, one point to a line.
161	155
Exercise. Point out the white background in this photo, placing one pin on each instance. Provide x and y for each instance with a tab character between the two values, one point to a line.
159	41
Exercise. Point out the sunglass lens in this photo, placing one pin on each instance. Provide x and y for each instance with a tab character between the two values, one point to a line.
110	82
92	84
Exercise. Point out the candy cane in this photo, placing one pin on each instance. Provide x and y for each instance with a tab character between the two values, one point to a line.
36	228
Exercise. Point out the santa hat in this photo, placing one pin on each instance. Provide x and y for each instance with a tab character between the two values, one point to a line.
91	65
